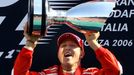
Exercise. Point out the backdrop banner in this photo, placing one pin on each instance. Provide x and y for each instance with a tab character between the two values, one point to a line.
117	35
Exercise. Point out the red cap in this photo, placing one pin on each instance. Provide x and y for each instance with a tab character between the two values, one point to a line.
72	36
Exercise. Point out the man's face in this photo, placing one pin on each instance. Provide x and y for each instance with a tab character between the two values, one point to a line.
69	53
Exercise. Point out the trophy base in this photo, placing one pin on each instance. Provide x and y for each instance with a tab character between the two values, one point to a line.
36	17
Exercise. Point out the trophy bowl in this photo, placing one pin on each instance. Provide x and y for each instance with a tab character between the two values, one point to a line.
89	16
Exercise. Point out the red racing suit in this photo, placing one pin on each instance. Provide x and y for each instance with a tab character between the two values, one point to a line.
108	62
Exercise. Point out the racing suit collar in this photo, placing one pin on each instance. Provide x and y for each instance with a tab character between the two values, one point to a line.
77	72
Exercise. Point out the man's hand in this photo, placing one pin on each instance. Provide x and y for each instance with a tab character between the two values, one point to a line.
31	40
92	37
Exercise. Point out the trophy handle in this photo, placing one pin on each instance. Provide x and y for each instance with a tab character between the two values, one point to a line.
44	16
30	17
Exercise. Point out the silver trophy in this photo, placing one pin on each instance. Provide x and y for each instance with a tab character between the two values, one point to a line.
86	16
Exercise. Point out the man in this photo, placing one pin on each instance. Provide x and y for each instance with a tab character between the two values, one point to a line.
70	53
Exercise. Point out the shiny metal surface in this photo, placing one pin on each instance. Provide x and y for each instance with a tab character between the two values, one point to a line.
91	9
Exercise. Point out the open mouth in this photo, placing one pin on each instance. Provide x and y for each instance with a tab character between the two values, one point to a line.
68	54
